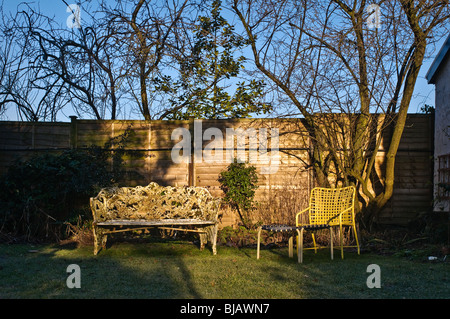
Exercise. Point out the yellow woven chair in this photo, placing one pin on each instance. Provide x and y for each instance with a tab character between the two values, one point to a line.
332	207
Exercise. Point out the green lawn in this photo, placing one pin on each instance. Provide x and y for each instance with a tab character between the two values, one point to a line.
177	269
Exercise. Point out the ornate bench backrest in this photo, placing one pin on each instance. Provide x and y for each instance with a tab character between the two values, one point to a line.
326	203
154	202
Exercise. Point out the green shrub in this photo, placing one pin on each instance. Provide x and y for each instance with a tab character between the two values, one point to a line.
39	194
239	183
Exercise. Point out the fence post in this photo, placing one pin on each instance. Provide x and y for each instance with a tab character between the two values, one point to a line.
191	164
73	132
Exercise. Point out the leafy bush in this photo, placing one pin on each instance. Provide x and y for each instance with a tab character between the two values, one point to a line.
239	183
39	194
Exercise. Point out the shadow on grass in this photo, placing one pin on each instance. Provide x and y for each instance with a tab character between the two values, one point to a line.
174	269
123	270
151	268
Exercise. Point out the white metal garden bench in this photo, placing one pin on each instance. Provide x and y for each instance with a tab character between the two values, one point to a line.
189	209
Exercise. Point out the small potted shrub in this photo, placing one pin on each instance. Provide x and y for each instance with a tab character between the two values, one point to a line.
239	182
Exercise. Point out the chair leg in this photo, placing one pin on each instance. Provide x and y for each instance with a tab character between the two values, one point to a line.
331	242
341	237
259	242
314	242
356	238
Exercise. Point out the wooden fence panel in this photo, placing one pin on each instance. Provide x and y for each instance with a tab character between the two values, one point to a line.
413	185
149	146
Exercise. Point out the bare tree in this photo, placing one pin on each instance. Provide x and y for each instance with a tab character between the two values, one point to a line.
326	57
146	33
22	83
121	59
54	66
107	61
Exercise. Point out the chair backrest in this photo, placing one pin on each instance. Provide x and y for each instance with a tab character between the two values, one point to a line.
326	203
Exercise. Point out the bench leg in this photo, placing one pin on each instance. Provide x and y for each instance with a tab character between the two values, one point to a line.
300	245
213	238
291	253
96	240
99	240
203	240
211	235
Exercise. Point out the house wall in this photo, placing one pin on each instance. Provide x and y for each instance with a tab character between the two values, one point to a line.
442	127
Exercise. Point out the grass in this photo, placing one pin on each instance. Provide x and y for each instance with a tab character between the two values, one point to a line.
178	269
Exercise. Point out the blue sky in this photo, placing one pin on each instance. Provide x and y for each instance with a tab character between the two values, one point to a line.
424	92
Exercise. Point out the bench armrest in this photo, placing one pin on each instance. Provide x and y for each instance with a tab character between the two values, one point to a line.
212	214
93	210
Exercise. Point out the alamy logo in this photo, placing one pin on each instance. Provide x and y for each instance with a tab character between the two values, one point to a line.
73	20
74	279
373	21
374	279
222	151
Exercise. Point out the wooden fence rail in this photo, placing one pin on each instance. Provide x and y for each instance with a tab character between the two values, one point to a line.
150	148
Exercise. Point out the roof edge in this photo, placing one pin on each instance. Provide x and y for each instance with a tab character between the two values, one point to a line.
432	71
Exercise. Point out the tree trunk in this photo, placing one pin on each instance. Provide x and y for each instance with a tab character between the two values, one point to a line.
144	98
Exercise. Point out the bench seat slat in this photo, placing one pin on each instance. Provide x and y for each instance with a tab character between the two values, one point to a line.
160	222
